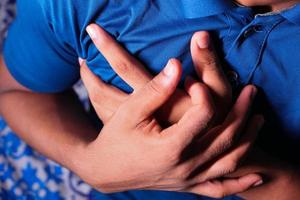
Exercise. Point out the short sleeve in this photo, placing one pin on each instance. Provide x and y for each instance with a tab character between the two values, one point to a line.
33	54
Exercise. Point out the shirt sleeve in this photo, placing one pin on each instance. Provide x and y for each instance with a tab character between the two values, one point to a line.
35	56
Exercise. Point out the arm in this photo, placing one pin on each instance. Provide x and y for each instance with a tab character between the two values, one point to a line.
54	124
47	67
36	60
41	125
213	140
281	174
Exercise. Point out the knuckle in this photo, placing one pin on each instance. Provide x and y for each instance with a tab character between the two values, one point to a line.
122	66
210	62
155	87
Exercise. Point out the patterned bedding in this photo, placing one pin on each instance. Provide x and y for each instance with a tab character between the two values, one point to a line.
24	173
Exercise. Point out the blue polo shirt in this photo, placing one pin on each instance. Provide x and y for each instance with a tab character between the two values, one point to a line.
266	52
48	36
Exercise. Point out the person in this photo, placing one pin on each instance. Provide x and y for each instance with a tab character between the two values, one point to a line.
283	177
68	54
284	133
81	137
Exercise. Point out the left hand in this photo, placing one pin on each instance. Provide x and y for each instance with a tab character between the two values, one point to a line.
281	180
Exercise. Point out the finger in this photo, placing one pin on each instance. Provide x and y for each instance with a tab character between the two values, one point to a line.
198	92
218	140
203	166
154	94
229	161
106	99
223	137
197	119
208	68
125	65
227	187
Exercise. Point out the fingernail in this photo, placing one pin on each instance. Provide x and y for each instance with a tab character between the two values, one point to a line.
258	183
169	70
80	60
91	31
203	41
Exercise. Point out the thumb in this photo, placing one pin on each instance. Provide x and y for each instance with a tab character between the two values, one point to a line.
145	101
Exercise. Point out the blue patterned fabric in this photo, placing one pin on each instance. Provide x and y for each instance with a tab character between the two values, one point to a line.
25	174
7	10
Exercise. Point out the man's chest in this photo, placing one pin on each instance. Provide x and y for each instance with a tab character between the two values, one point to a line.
155	35
267	55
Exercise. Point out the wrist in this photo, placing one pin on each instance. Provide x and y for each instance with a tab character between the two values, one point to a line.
76	155
84	160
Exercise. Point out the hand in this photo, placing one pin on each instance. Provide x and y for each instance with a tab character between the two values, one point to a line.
219	145
134	73
281	180
134	152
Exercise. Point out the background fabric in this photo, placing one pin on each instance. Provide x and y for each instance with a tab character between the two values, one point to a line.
24	173
7	10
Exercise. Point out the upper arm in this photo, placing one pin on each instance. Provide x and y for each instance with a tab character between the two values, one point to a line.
7	82
35	58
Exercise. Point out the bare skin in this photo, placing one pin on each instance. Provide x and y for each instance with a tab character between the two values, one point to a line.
283	179
61	130
205	66
55	108
274	5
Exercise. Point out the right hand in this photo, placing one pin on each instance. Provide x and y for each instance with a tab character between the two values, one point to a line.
134	152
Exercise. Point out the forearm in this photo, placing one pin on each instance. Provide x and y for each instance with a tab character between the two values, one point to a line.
55	125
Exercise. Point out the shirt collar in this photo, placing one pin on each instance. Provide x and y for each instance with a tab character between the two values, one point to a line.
204	8
293	14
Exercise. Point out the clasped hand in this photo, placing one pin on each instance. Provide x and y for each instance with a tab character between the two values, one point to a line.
136	150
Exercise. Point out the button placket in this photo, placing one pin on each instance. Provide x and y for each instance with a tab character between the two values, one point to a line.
233	78
253	29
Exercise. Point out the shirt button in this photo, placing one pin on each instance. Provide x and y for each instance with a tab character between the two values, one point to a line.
248	32
233	78
252	29
258	28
